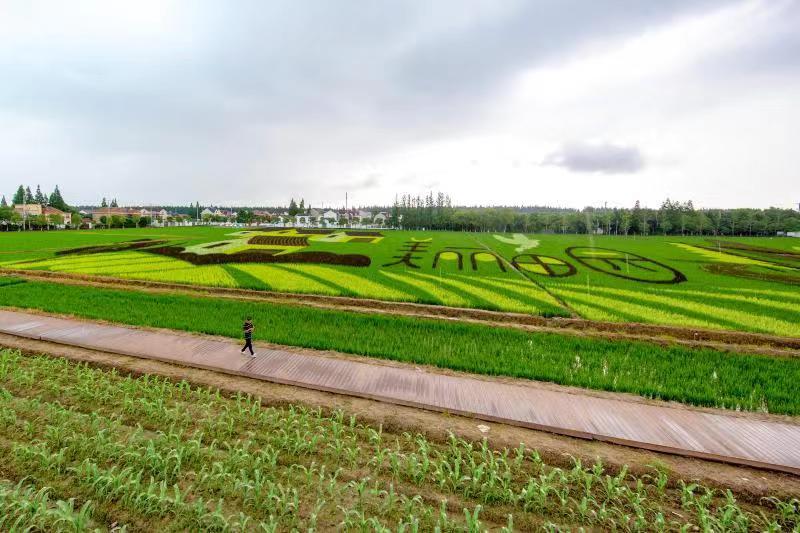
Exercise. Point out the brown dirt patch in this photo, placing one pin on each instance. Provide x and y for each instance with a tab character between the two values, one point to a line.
278	240
747	483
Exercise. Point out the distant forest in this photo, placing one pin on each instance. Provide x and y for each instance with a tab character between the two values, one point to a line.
436	211
671	218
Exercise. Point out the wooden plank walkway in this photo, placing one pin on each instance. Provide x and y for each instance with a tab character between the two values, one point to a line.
665	428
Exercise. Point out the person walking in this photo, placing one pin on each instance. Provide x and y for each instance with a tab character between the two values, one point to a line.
247	329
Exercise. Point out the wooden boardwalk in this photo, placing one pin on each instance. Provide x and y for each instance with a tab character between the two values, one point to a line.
709	435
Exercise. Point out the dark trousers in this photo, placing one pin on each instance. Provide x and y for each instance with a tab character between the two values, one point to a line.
248	343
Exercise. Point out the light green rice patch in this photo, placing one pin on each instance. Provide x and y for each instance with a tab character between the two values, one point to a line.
203	248
496	300
130	268
56	263
486	257
744	319
208	275
781	295
722	257
529	292
583	303
352	283
282	280
434	290
755	300
533	267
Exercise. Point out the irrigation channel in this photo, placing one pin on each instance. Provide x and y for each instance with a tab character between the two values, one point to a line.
663	427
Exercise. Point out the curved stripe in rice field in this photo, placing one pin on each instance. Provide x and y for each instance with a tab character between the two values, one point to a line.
437	292
350	283
209	275
641	311
487	298
128	268
279	279
533	294
739	319
747	300
781	295
56	263
721	257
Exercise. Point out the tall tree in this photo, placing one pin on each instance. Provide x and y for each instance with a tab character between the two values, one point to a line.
28	196
57	201
292	208
19	196
114	203
302	207
3	202
39	198
104	203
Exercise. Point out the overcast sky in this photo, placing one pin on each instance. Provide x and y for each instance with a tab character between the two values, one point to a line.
557	102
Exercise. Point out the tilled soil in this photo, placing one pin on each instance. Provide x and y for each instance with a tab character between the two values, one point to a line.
743	342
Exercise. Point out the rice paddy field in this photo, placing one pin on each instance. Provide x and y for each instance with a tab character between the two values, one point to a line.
747	284
86	449
689	375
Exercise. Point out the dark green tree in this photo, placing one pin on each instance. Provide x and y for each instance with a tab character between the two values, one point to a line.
292	208
114	203
28	196
104	203
19	196
39	198
57	201
3	202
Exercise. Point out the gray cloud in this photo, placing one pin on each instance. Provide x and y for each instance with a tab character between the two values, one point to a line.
268	94
604	158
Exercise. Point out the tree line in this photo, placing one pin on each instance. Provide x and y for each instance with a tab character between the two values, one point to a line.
671	218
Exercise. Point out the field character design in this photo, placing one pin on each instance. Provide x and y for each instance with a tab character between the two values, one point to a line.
625	265
247	330
409	249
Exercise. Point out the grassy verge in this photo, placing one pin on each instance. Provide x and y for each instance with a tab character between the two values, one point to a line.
694	376
85	448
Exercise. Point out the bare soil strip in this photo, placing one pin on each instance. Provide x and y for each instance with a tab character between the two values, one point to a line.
734	341
747	483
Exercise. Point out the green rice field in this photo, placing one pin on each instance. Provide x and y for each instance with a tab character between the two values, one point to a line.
748	284
92	450
688	375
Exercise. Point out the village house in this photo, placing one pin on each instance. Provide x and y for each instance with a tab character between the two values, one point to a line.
27	211
380	219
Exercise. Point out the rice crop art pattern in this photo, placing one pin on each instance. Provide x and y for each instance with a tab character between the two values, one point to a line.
742	284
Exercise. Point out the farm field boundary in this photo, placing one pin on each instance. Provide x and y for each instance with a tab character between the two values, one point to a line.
725	340
717	437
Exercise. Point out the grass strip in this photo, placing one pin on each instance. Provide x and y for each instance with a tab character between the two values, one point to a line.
693	376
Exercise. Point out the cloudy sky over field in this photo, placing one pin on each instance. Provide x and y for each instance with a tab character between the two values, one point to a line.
558	102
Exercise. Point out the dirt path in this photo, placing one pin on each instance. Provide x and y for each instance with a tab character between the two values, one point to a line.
764	442
747	483
733	341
